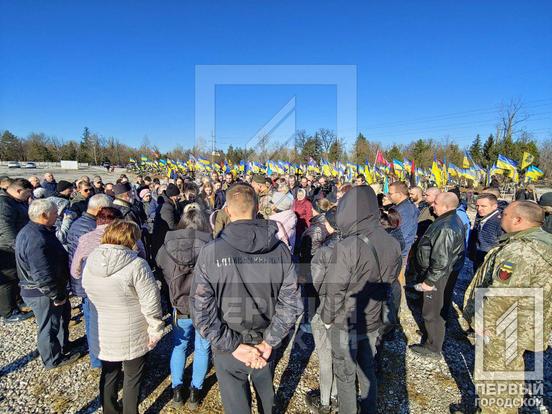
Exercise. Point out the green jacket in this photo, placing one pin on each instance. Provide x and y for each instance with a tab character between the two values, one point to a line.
521	260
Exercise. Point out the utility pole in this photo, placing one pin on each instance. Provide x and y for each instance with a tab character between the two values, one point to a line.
213	144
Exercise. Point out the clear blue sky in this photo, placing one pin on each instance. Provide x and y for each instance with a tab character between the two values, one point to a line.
127	69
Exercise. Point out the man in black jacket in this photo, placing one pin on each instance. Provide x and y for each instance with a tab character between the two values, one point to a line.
439	253
44	273
367	261
13	216
245	299
166	217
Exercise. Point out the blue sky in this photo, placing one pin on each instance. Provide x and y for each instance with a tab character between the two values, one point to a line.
128	69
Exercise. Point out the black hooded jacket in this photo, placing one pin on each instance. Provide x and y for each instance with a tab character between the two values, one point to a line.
176	258
355	290
245	287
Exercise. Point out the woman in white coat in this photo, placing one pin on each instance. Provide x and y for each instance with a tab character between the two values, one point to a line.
126	319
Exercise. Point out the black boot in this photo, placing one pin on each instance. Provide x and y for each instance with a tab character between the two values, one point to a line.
178	396
194	400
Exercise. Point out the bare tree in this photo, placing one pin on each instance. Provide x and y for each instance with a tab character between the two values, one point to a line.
326	138
545	157
511	116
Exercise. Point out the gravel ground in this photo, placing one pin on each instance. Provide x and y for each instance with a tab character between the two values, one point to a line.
407	383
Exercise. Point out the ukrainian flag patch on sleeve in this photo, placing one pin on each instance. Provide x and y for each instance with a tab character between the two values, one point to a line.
505	270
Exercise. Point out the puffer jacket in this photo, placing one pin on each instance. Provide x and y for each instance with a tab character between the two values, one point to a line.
84	224
13	217
126	305
245	287
440	250
286	221
176	259
356	288
313	238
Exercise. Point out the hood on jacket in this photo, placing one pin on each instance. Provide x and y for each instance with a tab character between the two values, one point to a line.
183	245
108	259
251	236
358	211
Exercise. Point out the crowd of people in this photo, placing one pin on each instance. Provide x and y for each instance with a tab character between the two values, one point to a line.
241	263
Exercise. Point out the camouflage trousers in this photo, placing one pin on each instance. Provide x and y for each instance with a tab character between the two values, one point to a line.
497	395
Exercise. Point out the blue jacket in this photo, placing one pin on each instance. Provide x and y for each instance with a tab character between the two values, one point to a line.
461	212
409	223
484	236
41	262
84	224
51	188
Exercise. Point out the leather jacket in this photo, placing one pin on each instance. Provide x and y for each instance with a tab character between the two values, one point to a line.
440	250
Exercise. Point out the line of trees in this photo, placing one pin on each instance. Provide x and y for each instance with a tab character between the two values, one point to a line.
509	139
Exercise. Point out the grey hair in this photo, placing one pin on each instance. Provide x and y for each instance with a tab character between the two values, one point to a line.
41	207
99	201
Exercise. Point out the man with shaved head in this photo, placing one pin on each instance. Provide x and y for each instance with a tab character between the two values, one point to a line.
522	260
439	253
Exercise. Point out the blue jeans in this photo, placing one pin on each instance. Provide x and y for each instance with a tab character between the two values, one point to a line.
94	361
52	333
182	334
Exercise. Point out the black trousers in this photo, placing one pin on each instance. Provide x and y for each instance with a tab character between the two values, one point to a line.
233	377
432	312
449	291
132	379
9	289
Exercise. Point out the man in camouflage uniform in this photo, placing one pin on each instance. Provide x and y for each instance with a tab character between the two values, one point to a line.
522	259
262	188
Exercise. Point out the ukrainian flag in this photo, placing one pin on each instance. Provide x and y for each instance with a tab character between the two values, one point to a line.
527	160
506	163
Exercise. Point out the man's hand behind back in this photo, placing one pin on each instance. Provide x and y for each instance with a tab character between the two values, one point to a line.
250	356
265	349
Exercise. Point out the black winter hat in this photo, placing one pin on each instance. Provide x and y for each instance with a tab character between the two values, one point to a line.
63	185
121	188
546	199
172	190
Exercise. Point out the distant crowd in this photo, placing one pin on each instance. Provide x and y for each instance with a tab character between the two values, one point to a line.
242	262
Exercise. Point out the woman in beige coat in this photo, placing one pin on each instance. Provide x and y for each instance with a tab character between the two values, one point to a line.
125	307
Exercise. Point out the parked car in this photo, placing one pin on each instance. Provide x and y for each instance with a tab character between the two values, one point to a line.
14	164
29	165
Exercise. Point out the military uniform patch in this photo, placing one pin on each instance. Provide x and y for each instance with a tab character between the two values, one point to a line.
505	270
